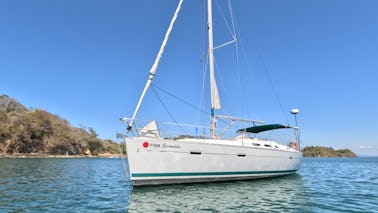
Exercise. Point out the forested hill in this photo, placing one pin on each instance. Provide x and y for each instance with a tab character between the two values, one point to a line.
36	131
319	151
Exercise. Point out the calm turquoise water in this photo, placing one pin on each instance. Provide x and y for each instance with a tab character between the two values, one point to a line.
100	185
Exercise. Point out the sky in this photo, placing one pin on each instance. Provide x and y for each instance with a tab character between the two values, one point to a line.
88	60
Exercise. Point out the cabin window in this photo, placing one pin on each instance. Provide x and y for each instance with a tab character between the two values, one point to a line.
267	145
195	153
242	155
256	144
276	147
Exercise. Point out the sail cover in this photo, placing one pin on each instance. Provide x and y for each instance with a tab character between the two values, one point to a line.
262	128
150	130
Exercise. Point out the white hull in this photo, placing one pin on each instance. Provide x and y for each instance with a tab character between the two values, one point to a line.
164	161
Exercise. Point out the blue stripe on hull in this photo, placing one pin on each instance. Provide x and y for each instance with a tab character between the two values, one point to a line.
209	173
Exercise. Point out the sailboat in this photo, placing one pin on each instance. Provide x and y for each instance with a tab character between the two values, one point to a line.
155	159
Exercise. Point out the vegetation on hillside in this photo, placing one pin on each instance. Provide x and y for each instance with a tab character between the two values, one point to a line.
35	131
319	151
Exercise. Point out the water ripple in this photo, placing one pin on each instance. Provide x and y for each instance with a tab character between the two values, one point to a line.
271	195
100	185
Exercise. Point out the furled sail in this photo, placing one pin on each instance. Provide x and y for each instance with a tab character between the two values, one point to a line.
215	100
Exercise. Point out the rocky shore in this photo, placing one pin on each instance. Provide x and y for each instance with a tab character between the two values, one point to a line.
319	151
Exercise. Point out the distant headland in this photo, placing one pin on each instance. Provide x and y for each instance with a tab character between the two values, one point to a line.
319	151
38	133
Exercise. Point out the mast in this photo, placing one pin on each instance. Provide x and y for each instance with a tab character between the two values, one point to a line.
154	66
215	102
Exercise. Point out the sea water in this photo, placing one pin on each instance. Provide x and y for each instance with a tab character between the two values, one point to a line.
101	185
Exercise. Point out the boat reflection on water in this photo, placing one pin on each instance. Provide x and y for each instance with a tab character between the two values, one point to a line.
265	195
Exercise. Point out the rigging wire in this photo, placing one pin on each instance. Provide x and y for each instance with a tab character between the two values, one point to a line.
204	65
178	98
237	36
232	18
241	83
166	109
272	85
204	80
266	71
232	32
202	24
230	25
203	112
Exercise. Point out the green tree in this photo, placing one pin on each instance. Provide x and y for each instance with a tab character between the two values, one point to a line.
37	131
5	132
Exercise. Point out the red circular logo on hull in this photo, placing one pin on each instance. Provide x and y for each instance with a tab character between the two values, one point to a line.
145	144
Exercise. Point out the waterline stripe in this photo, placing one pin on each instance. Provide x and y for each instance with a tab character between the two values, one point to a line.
208	173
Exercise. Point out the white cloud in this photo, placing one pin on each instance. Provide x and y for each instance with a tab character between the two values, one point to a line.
366	150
